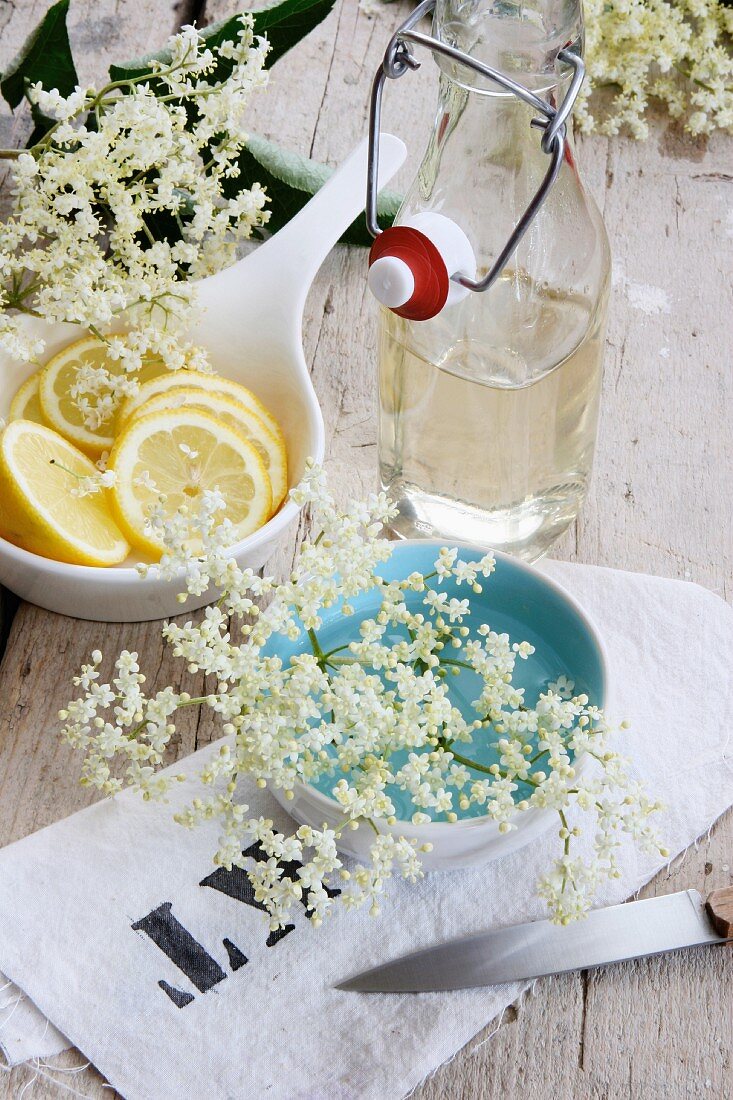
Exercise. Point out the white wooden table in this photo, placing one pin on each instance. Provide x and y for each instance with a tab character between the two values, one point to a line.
661	502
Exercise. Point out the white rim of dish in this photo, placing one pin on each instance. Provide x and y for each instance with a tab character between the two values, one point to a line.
287	512
534	813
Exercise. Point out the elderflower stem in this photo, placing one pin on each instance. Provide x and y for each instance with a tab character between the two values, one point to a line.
566	847
95	332
468	763
21	294
72	473
338	649
351	660
210	89
316	647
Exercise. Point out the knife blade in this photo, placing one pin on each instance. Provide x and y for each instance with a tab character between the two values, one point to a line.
523	951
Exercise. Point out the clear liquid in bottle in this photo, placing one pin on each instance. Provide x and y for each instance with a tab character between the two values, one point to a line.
474	447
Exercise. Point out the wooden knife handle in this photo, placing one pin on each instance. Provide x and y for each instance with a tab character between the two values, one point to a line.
720	910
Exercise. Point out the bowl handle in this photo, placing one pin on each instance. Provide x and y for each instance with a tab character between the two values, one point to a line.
278	274
296	252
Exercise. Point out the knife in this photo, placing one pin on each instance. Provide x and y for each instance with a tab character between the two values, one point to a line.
521	951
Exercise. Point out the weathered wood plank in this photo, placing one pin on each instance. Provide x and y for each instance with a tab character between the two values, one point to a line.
661	502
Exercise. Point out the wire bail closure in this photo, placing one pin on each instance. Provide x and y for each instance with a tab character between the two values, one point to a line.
398	60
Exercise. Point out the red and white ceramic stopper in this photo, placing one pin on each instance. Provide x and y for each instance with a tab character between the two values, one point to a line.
410	266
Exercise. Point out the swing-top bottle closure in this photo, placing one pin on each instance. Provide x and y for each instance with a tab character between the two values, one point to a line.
427	262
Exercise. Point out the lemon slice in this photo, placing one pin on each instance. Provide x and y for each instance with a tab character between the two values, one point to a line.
212	383
59	405
183	452
269	447
38	469
26	405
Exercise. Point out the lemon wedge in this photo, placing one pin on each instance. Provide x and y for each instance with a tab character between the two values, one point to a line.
211	383
26	405
60	406
176	455
38	469
270	447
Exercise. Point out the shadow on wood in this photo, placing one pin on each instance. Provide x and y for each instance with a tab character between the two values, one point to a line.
8	607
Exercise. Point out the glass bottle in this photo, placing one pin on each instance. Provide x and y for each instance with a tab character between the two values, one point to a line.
488	412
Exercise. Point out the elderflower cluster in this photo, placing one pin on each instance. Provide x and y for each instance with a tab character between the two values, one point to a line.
375	722
129	194
675	51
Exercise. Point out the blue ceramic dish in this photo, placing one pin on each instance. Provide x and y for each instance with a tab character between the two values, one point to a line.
518	600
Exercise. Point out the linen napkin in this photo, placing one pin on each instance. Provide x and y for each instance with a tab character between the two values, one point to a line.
115	926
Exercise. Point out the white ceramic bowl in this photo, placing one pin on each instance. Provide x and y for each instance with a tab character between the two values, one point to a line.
251	328
540	608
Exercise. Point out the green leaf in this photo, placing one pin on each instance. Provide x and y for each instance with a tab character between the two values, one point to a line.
284	23
291	180
41	125
44	58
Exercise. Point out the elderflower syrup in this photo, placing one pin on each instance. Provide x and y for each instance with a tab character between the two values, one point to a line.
488	409
471	448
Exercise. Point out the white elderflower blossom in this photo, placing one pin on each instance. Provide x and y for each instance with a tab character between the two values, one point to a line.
563	687
94	483
124	200
676	52
374	722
